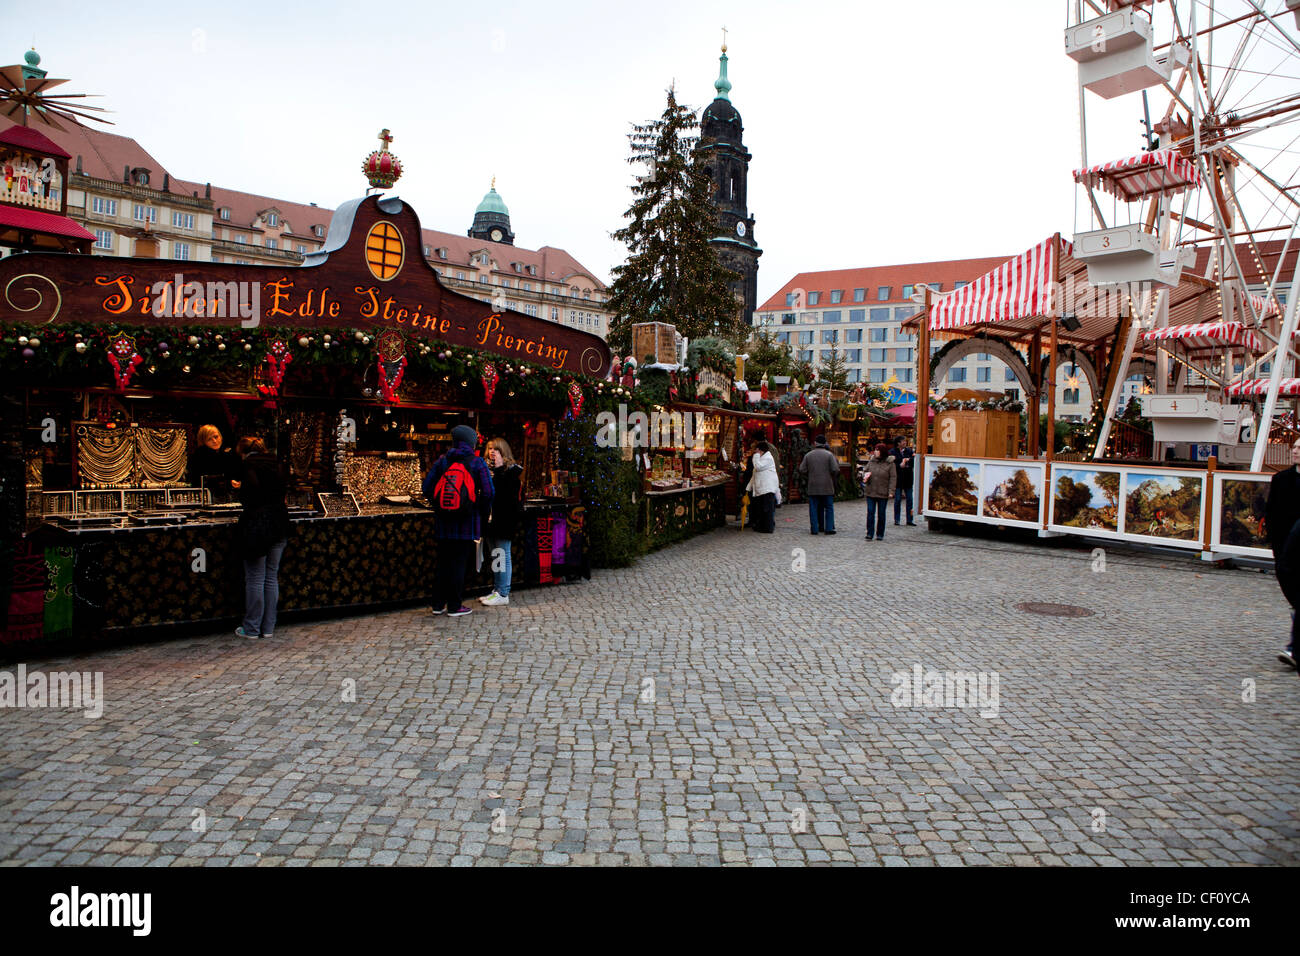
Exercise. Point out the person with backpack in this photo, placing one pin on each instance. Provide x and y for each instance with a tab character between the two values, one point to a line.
459	487
506	473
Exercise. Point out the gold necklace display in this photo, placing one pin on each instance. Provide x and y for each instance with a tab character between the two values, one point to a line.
131	457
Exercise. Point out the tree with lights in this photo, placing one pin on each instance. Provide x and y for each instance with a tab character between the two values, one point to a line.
672	273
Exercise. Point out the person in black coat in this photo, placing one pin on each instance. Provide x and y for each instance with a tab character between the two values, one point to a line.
212	466
263	535
506	509
1282	526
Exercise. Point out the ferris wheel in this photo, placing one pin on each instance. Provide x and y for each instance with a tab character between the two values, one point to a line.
1198	230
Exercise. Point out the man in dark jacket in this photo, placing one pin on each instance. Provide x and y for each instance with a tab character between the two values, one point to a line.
823	469
1282	525
457	535
904	454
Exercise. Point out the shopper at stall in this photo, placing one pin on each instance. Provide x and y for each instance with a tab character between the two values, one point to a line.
459	486
506	475
764	489
263	535
212	466
823	470
904	456
1282	526
880	476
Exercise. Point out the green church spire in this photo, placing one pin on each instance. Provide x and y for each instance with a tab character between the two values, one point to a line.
723	85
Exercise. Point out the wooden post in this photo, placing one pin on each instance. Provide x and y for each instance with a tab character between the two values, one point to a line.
922	403
1035	376
1212	464
1051	362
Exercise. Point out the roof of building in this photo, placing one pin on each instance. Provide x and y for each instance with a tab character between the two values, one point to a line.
104	155
246	207
553	265
492	202
47	222
893	277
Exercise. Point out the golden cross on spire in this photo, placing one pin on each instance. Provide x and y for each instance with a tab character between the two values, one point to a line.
494	182
385	138
724	39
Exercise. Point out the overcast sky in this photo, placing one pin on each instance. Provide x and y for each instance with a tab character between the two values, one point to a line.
881	132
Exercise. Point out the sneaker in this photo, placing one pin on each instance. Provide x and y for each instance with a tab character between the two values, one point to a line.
495	600
1286	658
487	598
911	524
240	632
870	538
268	634
438	610
460	611
828	532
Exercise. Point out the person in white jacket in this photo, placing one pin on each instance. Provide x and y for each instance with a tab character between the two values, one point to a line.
763	489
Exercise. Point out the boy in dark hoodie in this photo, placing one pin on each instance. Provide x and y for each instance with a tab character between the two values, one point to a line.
457	534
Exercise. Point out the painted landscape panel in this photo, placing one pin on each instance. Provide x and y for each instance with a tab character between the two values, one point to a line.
1086	498
1163	506
952	489
1011	491
1241	513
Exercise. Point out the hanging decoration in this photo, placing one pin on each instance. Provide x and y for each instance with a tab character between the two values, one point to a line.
124	358
278	359
391	347
490	379
576	398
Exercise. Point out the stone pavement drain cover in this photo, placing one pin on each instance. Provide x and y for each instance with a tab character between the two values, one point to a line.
1054	610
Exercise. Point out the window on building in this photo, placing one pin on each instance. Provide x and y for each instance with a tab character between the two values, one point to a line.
959	285
505	282
460	274
105	207
826	354
302	250
984	374
1265	368
783	338
882	294
805	355
1070	396
239	238
983	357
180	250
853	356
224	213
104	239
1011	393
793	300
805	338
829	316
875	355
904	374
857	315
859	295
272	244
144	213
852	335
814	298
1008	375
903	355
881	315
901	336
907	291
904	312
183	220
526	286
855	375
957	375
830	335
936	286
272	219
876	375
787	318
836	296
879	334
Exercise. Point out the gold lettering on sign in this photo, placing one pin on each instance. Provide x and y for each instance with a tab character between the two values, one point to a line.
279	295
120	301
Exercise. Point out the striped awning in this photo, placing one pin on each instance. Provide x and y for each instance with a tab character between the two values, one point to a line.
1020	288
1205	335
1259	386
1162	171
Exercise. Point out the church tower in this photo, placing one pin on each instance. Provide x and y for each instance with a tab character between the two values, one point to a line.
721	139
492	219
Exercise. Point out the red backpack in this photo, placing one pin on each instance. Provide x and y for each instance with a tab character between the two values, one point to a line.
453	494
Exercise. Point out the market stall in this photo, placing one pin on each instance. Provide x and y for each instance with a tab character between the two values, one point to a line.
354	368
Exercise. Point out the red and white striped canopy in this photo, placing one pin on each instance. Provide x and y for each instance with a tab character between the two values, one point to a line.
1020	288
1265	307
1205	335
1259	386
1142	175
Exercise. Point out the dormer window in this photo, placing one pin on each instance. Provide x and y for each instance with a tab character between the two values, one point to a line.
442	252
224	213
427	252
532	270
272	219
318	231
140	176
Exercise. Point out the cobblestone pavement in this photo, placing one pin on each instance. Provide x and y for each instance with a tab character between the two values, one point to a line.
708	706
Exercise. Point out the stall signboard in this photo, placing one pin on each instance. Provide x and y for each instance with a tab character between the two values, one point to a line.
370	274
719	382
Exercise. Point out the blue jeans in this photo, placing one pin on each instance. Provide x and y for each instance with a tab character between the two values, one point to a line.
262	590
876	508
821	512
904	490
500	578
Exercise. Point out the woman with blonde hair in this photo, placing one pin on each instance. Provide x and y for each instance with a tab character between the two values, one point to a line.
506	474
211	466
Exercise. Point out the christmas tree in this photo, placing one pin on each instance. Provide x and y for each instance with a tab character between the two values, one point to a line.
672	273
767	357
832	372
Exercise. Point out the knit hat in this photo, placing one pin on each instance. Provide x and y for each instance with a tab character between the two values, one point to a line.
819	440
464	435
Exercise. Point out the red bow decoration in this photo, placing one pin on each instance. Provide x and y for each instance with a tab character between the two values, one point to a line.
278	358
490	379
121	352
576	398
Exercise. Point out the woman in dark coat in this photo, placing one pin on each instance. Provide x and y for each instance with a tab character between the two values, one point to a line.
506	474
880	480
263	535
1281	518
